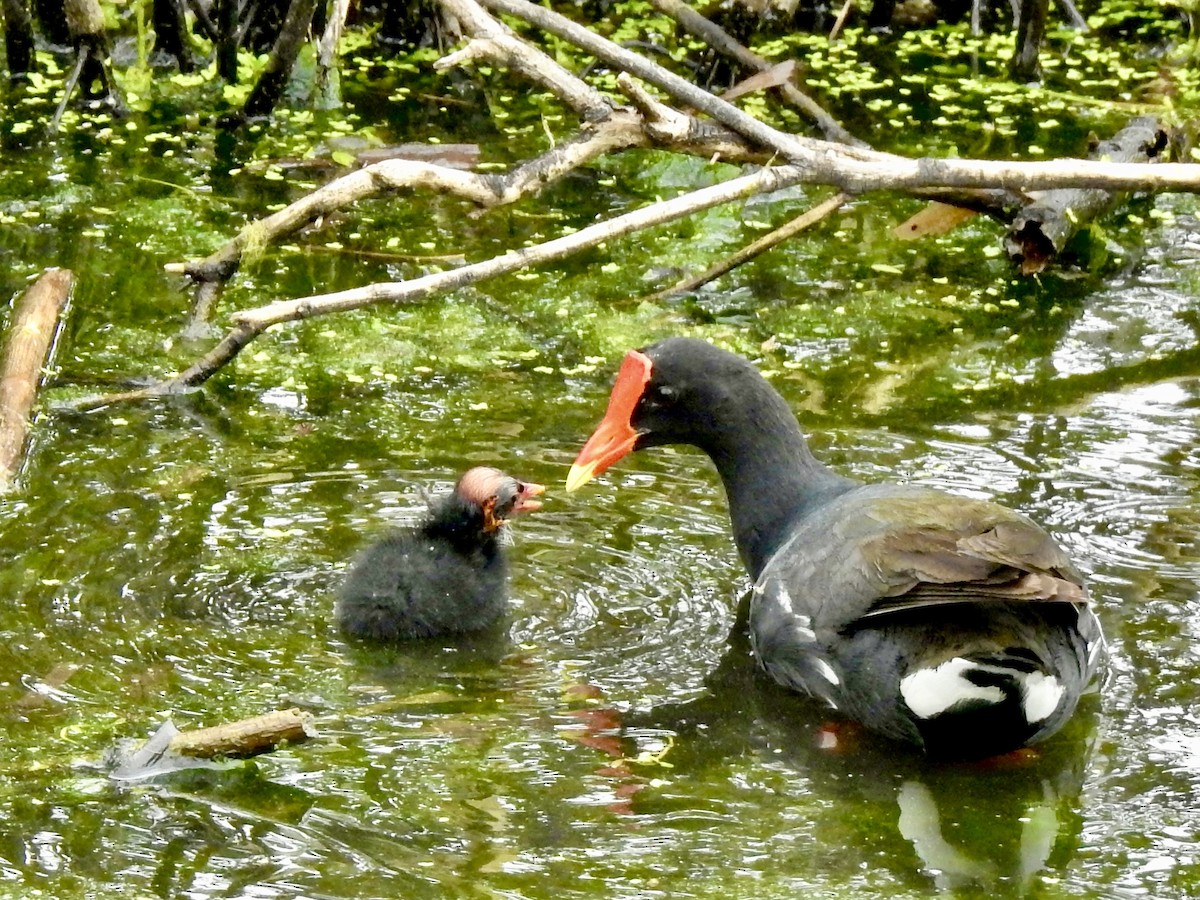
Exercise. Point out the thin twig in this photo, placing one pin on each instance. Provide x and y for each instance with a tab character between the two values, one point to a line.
789	230
68	88
836	31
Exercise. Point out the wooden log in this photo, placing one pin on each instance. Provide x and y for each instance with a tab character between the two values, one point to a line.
1041	231
29	340
249	737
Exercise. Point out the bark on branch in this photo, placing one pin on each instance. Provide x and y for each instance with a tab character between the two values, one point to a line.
170	750
494	40
30	337
248	737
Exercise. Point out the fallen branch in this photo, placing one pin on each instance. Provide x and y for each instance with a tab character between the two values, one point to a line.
608	130
491	39
252	322
994	188
191	377
857	170
170	750
29	341
763	181
1041	231
485	190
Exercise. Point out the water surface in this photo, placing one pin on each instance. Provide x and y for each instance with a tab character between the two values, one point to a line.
617	740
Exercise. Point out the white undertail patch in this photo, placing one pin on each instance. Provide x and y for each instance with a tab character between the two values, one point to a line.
932	691
1043	693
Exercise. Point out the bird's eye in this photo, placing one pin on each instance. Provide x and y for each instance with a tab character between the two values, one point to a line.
507	495
657	395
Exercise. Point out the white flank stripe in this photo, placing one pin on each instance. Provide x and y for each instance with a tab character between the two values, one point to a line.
825	670
802	626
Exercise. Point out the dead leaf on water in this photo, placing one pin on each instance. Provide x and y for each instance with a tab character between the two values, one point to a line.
934	219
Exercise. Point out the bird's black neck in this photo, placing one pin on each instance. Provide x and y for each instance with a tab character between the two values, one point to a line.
771	478
459	522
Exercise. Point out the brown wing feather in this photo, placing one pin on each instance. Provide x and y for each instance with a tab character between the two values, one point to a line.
882	549
1009	561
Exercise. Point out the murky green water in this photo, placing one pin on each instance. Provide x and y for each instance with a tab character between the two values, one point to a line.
619	743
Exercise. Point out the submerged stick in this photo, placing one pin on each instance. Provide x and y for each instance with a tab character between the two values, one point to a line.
30	336
802	222
41	690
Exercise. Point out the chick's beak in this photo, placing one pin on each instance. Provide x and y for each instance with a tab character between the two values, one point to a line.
524	504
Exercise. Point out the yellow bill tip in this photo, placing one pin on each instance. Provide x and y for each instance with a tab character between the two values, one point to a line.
579	476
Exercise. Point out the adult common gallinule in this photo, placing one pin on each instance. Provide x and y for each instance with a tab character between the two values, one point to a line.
954	624
446	576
